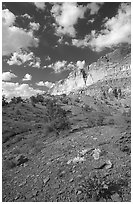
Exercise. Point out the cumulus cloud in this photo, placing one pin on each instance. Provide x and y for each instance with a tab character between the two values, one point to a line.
58	66
21	57
47	84
27	77
34	26
7	76
66	16
40	5
91	21
15	89
47	58
26	16
81	42
40	83
36	63
61	66
115	30
14	38
94	7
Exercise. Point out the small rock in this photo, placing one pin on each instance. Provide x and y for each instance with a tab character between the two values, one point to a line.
96	153
116	198
17	197
35	180
46	180
108	164
71	180
35	192
25	165
78	159
62	173
105	186
79	192
79	176
28	196
69	161
21	159
23	183
60	192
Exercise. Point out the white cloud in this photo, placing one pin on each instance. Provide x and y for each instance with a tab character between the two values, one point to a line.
22	57
40	83
27	77
116	30
7	76
66	16
26	16
47	58
47	84
81	42
34	26
58	66
91	21
94	7
14	38
36	63
40	5
61	66
15	89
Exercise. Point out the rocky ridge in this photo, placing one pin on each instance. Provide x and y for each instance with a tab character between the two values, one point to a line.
113	66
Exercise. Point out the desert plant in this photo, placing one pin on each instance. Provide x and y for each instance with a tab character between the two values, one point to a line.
97	188
4	101
16	100
57	117
39	98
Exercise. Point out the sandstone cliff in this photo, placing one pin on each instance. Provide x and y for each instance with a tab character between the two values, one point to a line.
113	66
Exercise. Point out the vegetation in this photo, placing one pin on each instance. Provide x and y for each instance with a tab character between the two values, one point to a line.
4	101
16	100
98	188
57	117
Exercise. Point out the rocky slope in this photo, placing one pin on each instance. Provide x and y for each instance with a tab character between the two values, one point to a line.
113	66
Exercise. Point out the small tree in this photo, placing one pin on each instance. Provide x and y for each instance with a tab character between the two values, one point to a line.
57	117
40	98
33	100
16	100
4	101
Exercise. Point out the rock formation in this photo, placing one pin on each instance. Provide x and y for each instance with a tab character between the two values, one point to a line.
113	67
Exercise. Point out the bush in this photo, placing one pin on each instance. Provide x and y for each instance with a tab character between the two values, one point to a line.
4	101
57	118
98	188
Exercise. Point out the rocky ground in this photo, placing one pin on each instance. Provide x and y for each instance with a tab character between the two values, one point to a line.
89	162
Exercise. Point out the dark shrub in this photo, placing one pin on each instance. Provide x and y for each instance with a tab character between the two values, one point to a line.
4	101
57	117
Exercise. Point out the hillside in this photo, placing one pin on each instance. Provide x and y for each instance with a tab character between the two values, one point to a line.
74	147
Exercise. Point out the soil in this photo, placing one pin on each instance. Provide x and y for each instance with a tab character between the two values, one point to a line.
88	163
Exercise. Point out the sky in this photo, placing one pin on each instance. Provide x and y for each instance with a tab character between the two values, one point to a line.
42	42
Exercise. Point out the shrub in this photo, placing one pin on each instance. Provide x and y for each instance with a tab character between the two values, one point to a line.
4	101
97	188
57	117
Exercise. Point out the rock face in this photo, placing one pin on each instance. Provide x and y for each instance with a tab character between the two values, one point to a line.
112	66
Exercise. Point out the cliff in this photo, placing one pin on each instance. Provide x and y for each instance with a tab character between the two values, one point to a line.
113	66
